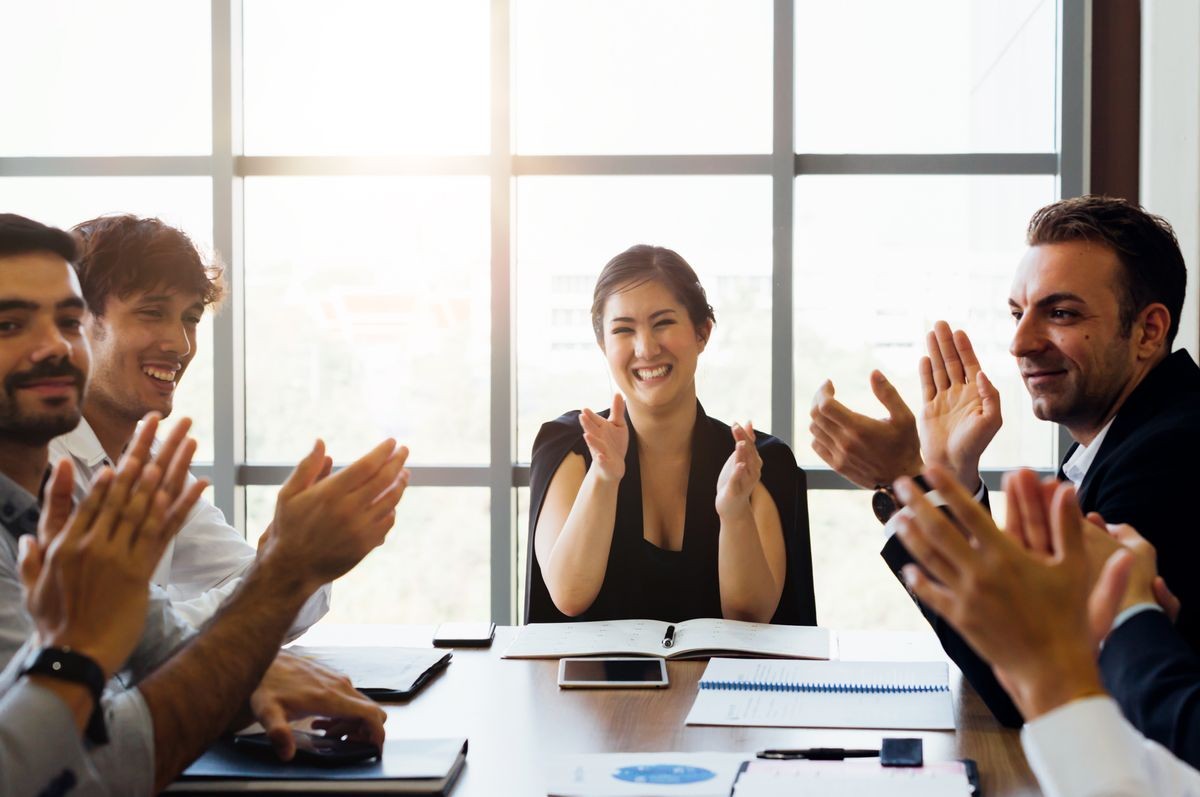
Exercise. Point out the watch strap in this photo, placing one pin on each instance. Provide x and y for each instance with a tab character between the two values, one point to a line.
65	664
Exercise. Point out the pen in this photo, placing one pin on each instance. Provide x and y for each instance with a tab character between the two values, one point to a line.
669	637
817	754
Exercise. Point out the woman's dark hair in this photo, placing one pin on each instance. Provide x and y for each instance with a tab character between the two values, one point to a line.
640	264
22	236
1152	266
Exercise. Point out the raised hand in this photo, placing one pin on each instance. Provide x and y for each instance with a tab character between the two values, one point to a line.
866	451
961	413
740	473
607	440
325	524
1028	613
86	579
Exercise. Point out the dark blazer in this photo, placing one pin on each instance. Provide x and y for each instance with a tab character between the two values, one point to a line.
1154	674
643	581
1144	474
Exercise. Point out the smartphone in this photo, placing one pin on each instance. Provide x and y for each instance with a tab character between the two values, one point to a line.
612	673
312	748
464	635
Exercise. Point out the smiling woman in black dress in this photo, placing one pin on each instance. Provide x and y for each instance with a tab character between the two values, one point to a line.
653	509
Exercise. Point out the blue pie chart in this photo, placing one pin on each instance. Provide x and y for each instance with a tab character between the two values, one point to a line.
664	774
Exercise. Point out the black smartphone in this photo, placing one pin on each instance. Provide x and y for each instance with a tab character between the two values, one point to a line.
312	748
464	635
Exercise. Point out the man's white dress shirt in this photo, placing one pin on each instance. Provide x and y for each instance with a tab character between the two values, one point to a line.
205	562
1087	749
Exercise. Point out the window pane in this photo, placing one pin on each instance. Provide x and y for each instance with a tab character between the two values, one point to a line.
124	77
366	77
879	259
925	76
569	227
432	568
678	76
367	316
183	202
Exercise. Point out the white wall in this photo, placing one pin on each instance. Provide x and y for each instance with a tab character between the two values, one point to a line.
1170	136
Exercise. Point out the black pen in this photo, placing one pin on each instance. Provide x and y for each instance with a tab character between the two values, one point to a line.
817	754
669	637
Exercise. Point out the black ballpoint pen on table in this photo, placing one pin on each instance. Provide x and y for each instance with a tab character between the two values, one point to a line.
817	754
668	639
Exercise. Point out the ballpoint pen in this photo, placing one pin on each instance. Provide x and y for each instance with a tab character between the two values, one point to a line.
668	640
817	754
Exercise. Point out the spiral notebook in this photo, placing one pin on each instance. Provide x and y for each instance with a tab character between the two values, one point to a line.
824	694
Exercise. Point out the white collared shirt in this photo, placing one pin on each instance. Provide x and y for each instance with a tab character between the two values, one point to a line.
1081	459
1087	749
205	562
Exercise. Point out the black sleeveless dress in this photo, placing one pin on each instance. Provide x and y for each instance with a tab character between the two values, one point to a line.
643	581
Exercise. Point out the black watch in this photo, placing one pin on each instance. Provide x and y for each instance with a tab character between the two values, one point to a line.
67	665
885	503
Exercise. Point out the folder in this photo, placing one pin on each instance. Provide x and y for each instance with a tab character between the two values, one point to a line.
407	766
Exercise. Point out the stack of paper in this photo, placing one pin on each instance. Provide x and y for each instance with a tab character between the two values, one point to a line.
851	779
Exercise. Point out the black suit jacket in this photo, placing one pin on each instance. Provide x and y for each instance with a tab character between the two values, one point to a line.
1144	475
1154	674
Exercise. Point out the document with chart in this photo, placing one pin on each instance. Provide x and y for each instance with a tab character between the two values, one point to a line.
824	694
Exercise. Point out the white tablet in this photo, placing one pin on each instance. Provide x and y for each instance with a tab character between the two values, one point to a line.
612	673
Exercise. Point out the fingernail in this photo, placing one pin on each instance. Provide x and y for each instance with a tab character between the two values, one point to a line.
910	574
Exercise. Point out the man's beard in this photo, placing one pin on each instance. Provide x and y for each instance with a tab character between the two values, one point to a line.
41	428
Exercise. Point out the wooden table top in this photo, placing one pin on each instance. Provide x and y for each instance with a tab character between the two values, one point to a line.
516	718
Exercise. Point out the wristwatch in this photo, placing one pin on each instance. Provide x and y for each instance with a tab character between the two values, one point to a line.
67	665
885	503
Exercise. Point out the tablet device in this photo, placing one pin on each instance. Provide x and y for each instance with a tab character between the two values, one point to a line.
612	673
311	748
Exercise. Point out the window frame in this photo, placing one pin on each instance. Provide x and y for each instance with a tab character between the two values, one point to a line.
230	473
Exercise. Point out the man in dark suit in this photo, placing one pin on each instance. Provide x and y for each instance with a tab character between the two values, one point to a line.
1096	300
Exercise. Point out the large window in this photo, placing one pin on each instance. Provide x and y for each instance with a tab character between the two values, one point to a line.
413	200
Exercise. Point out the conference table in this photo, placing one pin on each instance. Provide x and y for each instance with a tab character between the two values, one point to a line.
517	719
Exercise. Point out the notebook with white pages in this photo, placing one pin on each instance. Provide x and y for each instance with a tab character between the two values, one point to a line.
692	639
824	694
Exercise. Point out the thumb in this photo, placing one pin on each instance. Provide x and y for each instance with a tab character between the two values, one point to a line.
57	503
274	721
306	471
29	563
617	416
889	397
1108	593
988	395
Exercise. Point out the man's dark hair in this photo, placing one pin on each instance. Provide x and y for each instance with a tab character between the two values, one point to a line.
1152	266
642	263
21	236
122	255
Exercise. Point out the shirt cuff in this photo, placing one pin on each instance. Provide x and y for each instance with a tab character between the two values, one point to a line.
127	761
1133	610
1083	748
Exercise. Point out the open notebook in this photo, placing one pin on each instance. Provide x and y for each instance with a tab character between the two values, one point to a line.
824	694
693	639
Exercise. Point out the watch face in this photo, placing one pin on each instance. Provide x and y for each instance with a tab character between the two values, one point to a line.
884	505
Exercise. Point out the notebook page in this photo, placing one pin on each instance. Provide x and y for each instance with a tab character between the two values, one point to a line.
375	668
851	779
793	694
735	636
619	637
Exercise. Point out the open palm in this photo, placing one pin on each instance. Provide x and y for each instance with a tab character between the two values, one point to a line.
961	412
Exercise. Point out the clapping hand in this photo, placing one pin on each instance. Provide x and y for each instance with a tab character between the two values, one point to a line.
607	439
740	474
86	575
961	413
869	452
